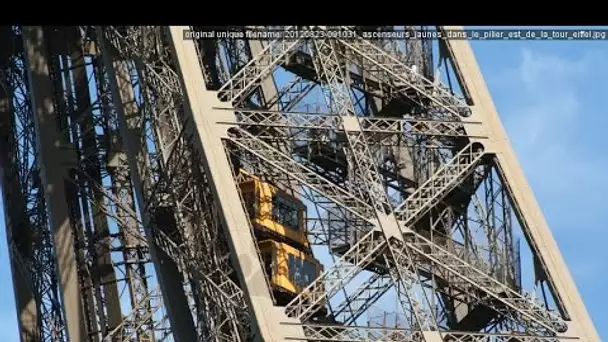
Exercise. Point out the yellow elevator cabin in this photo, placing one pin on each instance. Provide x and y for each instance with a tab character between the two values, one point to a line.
279	222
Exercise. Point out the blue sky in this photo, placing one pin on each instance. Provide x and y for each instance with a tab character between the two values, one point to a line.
550	95
550	98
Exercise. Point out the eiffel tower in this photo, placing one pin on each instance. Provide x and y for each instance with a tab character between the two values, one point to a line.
169	184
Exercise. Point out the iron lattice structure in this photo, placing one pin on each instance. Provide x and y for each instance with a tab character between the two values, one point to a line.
121	148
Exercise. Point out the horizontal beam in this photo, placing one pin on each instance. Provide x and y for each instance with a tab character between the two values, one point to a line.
254	117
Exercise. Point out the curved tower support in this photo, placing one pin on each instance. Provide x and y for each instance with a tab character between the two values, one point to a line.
534	225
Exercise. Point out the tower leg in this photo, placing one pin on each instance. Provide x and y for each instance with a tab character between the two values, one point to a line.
168	272
207	135
16	227
53	173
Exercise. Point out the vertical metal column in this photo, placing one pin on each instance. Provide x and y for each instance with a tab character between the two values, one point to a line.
104	276
16	224
207	136
167	271
53	162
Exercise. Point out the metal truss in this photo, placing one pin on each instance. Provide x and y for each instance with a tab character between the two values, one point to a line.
212	285
244	81
30	240
359	301
447	177
354	333
361	254
328	64
125	220
318	121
